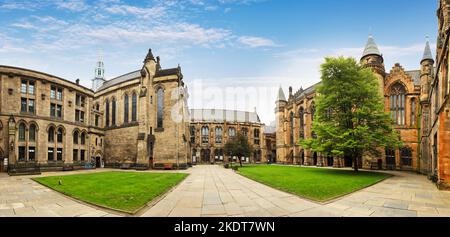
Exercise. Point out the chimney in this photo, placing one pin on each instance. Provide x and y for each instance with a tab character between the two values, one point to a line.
77	81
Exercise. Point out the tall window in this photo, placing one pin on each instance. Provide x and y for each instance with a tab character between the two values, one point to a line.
160	108
205	134
27	87
51	134
406	156
232	132
125	109
218	135
256	136
22	132
59	135
32	133
107	113
301	113
436	98
75	137
192	131
56	93
292	127
55	110
413	112
83	138
313	114
397	101
134	107
113	112
245	132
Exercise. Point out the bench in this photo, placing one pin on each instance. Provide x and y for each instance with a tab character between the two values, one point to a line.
125	166
68	168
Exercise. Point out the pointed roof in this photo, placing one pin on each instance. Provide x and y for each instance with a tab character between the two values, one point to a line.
427	55
281	96
149	56
371	48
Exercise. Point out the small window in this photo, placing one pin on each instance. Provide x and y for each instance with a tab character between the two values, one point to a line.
75	155
59	154
32	154
22	153
50	154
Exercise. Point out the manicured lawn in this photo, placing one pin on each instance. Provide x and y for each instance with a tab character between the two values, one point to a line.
312	183
125	191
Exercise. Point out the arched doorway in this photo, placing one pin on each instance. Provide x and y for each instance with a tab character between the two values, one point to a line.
315	159
206	156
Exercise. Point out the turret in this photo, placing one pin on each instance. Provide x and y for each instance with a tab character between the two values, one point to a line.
426	72
99	77
150	63
281	100
373	59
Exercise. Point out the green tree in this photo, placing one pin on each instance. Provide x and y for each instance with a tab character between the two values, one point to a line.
239	147
350	118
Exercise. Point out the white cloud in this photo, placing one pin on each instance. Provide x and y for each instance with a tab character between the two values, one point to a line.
255	42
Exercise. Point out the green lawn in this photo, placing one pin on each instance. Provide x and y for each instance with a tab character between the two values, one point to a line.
312	183
125	191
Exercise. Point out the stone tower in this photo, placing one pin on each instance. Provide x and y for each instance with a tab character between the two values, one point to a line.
280	124
426	72
99	77
372	58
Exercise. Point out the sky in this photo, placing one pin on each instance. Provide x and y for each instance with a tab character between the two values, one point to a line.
234	54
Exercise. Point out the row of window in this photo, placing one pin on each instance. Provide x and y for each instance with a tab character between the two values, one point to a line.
52	133
111	108
219	134
53	154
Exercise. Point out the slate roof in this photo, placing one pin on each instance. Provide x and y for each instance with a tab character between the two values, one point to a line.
427	52
371	48
136	75
221	115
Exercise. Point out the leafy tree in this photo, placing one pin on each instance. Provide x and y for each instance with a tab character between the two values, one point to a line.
350	118
239	147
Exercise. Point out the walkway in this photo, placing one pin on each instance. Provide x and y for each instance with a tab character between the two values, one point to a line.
215	191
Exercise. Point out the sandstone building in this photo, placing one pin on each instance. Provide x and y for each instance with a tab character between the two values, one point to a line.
138	120
210	129
401	90
435	105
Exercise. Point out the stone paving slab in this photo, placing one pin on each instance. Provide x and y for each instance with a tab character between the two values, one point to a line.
214	191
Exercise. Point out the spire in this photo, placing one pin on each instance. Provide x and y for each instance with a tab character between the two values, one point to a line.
427	55
281	96
149	56
99	77
371	48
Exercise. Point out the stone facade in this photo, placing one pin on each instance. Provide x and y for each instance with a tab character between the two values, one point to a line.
435	136
401	90
210	130
139	119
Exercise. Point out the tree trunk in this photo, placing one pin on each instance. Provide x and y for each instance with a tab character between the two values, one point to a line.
240	161
355	163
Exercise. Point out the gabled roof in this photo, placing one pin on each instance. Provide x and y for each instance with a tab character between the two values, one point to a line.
221	115
371	47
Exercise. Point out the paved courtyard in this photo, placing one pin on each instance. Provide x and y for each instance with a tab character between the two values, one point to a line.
215	191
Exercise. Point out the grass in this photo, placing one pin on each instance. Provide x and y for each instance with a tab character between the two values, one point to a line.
124	191
312	183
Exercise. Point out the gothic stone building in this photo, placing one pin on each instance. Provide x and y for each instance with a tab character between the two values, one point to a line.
435	105
137	119
211	129
401	90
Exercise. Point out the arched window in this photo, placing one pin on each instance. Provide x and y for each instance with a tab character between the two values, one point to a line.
97	107
406	156
413	112
134	108
113	112
192	132
160	108
107	112
126	109
51	134
75	137
232	132
83	138
256	136
301	114
32	133
397	101
59	135
205	134
22	129
313	113
218	135
292	127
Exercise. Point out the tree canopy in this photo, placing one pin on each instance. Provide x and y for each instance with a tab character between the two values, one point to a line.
239	147
350	119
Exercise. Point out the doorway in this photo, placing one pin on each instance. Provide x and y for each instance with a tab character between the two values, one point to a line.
315	159
98	162
330	161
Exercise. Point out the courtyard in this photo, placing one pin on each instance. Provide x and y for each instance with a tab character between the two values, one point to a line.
214	191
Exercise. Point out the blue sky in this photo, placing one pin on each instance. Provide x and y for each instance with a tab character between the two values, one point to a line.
251	46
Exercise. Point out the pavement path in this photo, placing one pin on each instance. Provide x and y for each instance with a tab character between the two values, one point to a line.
215	191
